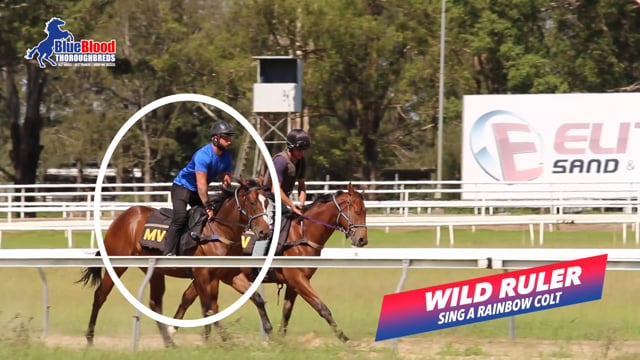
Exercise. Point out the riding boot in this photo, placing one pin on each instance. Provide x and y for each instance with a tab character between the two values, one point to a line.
171	240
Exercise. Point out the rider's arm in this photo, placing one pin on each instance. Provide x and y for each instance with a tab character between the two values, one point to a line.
284	197
227	168
302	192
202	185
281	169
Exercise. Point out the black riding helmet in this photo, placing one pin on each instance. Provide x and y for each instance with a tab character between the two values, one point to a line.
298	139
221	128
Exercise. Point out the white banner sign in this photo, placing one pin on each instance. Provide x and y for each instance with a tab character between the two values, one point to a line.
551	146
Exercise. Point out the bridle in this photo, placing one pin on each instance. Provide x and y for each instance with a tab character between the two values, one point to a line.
242	211
350	229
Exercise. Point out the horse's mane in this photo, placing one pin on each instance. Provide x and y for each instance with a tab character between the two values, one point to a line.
324	198
219	198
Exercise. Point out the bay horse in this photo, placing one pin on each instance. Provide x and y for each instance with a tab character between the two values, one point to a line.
308	234
241	209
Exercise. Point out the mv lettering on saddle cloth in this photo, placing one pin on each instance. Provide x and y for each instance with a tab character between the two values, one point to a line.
157	224
491	297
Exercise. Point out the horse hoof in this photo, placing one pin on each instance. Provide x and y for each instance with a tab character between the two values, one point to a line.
171	330
343	338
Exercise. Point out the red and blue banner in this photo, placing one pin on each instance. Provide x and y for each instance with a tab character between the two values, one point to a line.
491	297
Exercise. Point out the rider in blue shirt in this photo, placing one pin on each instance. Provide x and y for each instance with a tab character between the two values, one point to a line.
190	186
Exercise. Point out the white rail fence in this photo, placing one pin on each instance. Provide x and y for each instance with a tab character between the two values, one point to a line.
404	206
540	223
397	258
391	197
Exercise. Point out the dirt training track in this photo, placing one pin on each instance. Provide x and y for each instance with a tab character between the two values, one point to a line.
408	348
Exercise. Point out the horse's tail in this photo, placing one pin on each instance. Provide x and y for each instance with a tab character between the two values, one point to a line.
92	275
30	53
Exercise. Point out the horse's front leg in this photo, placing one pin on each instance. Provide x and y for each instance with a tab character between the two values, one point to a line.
287	308
241	284
156	290
300	283
207	287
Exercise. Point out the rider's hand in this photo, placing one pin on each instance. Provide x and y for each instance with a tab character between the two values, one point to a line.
210	213
296	209
226	181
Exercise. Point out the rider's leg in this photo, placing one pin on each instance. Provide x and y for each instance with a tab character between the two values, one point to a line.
179	198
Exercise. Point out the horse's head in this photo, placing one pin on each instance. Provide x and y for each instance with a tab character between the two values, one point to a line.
252	202
352	216
54	24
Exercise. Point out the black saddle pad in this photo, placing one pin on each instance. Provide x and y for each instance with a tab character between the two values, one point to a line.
157	224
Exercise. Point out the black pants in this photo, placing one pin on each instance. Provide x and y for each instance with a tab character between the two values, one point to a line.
180	198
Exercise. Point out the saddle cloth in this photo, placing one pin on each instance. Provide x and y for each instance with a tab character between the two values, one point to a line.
249	239
157	224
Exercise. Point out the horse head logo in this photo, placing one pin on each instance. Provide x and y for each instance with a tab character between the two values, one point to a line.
45	47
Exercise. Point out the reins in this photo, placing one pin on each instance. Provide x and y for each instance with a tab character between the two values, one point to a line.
351	226
347	232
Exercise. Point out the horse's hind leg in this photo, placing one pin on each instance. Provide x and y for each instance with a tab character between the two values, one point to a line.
99	297
48	59
156	290
308	293
40	57
241	284
188	297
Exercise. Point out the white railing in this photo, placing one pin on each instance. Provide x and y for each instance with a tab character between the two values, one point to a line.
386	197
403	199
539	223
448	258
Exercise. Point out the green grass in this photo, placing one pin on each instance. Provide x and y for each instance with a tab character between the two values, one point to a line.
217	351
353	295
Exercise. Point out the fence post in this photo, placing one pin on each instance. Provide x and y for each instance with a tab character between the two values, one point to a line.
22	191
136	317
10	212
89	207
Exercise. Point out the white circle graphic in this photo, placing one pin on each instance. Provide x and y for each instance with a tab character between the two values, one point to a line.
98	194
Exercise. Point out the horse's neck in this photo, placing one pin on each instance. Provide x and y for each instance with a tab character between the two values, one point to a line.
320	230
226	230
228	224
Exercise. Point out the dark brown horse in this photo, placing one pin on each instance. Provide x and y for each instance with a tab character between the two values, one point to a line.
342	211
241	209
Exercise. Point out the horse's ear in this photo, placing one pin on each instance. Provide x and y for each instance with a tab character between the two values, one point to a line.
242	181
350	188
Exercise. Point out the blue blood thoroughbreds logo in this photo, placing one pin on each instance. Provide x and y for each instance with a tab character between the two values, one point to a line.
61	45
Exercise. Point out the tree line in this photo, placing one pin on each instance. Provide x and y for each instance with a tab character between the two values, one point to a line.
371	75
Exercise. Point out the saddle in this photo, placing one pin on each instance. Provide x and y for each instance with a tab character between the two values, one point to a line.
157	224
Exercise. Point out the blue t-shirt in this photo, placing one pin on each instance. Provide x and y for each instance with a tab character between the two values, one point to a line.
206	160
